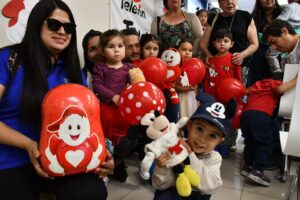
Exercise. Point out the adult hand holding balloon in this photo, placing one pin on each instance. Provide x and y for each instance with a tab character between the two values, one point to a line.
155	70
195	70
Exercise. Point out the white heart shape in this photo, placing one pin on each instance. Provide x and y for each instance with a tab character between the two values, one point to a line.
170	73
74	157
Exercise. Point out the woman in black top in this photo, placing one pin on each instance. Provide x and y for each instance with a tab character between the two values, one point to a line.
243	29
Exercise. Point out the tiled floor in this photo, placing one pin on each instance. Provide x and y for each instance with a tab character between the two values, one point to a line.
235	187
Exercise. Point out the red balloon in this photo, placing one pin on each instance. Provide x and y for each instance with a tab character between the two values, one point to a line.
72	139
195	70
155	70
235	121
230	88
141	98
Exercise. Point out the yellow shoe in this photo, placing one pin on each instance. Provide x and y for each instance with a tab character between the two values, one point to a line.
193	177
183	185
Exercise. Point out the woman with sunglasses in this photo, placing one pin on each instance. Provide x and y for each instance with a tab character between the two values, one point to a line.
46	57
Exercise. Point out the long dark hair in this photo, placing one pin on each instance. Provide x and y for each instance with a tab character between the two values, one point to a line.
88	65
37	60
260	15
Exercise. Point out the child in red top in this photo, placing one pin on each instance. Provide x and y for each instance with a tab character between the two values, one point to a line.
258	126
150	47
220	66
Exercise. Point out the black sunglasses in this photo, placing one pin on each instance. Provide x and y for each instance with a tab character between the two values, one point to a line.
54	25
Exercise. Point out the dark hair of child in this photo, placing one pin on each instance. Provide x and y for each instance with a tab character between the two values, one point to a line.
201	11
107	36
222	33
184	40
147	37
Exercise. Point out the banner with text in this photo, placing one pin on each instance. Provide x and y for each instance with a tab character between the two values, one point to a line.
134	13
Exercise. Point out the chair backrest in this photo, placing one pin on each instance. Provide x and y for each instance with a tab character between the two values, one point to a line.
287	100
290	141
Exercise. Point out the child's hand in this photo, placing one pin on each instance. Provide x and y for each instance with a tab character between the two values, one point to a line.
187	146
163	160
116	99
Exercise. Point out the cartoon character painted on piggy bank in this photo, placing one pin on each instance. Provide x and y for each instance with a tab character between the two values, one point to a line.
72	141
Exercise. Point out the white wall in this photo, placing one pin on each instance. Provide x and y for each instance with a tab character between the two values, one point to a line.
89	14
245	4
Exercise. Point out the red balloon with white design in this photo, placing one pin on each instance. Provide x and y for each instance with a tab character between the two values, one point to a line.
195	70
154	70
72	139
230	88
141	98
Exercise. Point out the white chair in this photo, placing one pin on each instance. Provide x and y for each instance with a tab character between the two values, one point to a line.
290	139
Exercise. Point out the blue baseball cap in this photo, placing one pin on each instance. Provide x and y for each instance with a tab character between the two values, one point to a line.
215	112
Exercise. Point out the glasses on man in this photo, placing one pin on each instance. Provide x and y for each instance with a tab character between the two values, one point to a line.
54	25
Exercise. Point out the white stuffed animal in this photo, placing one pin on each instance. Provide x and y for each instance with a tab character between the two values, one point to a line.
165	140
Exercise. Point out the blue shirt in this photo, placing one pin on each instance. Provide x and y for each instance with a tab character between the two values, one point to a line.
10	105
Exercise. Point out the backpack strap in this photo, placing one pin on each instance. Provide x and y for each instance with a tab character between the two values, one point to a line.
157	24
13	65
214	20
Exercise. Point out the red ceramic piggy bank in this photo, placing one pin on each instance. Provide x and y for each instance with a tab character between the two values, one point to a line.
72	140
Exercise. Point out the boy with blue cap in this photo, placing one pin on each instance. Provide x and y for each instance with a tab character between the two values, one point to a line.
206	129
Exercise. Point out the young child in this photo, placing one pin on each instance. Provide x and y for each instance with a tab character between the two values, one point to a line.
187	93
202	16
258	126
220	66
150	47
110	78
206	129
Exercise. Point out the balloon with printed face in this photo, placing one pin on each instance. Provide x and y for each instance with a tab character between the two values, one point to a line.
230	88
195	70
72	140
140	98
155	70
235	121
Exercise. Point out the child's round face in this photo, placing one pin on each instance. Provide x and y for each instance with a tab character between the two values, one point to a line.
114	51
150	49
186	49
203	18
203	136
223	44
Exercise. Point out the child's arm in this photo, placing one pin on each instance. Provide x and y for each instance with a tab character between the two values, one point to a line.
284	87
209	171
162	177
103	93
